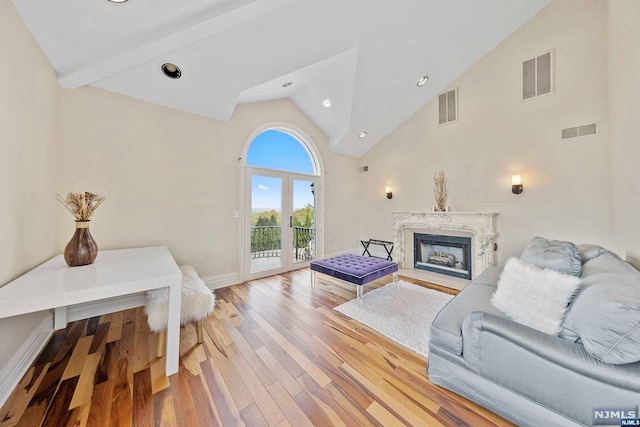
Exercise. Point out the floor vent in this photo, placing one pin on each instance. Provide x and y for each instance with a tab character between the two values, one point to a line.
590	129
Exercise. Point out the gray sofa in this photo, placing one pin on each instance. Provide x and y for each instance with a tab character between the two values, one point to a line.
532	378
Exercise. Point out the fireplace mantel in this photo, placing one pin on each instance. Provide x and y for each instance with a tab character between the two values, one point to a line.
481	226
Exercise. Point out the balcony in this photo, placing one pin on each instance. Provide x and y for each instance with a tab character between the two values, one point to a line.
266	246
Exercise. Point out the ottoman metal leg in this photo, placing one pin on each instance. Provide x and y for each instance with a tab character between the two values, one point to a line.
313	279
359	293
395	278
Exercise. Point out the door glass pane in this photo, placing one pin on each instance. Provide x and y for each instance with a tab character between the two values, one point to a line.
303	221
266	223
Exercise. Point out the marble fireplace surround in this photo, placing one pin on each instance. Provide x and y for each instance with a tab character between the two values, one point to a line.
482	227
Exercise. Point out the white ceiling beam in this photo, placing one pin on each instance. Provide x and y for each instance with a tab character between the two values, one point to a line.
157	47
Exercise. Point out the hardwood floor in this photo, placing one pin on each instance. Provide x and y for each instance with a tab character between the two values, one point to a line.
275	353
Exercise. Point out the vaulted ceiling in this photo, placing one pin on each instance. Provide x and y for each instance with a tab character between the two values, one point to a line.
364	55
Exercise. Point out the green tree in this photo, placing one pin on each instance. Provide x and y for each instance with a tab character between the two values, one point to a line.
303	221
255	217
266	236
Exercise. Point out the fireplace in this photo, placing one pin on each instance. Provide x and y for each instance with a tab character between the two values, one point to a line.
450	255
482	228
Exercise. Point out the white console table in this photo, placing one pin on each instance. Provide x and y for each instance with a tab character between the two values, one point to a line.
54	285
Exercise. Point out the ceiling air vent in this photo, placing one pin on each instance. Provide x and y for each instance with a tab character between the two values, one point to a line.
537	76
448	107
590	129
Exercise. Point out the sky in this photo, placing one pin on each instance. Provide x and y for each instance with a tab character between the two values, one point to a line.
278	150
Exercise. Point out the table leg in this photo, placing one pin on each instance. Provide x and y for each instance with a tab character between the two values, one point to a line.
60	318
173	329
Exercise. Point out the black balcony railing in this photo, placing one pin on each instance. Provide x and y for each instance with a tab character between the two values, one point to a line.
266	242
304	243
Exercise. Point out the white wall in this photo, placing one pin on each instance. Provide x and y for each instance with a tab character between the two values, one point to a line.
172	177
624	93
29	135
567	183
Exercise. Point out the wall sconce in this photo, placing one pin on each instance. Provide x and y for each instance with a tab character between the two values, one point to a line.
516	184
388	191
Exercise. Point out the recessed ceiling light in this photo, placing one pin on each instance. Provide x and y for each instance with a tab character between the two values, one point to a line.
171	70
118	1
422	81
326	103
362	134
287	84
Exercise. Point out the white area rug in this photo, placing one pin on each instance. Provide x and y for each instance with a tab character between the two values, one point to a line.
402	312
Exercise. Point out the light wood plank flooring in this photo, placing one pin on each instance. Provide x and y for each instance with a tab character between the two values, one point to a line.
275	354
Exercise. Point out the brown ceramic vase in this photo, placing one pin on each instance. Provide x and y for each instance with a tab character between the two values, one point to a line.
81	249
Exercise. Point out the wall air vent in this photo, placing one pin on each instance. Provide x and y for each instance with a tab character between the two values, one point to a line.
448	107
537	76
590	129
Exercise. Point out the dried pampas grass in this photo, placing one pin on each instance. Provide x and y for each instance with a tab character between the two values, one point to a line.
81	205
440	191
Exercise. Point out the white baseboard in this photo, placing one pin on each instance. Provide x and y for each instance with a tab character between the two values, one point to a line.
221	280
18	365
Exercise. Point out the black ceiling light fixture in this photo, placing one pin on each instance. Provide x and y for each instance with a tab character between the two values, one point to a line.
171	70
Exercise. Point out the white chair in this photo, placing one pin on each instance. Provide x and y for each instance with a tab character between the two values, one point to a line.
197	302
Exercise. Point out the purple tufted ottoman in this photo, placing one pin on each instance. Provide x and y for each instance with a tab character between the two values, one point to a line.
355	269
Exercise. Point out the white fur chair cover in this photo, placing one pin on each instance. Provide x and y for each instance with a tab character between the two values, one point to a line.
197	301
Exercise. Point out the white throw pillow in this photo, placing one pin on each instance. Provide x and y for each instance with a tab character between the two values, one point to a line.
535	297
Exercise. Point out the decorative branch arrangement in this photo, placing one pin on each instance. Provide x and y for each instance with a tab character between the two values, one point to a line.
81	205
440	191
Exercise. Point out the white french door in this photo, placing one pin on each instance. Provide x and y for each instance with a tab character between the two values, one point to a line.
281	217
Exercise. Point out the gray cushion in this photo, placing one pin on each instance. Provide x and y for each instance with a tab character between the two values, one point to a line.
553	254
606	311
446	329
589	252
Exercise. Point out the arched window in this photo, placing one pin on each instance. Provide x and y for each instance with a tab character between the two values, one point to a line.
275	149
